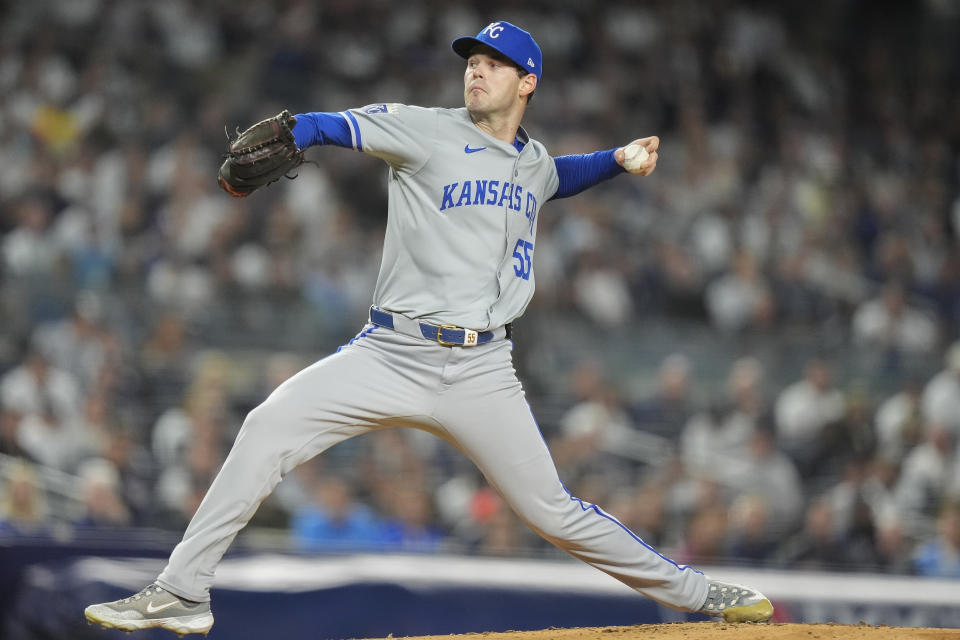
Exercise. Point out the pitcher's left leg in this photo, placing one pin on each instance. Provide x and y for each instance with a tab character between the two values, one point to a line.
486	414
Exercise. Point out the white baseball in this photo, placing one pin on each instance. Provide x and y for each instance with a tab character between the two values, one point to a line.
633	156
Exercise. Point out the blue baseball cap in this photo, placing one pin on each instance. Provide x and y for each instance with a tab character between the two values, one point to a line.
510	40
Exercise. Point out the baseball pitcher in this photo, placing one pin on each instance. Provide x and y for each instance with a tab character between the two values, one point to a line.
466	187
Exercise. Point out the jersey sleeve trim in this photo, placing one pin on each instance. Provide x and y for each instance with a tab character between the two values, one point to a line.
355	137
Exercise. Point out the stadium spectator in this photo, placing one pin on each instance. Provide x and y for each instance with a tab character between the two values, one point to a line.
819	545
940	557
48	401
897	422
601	290
29	249
751	537
410	524
10	420
723	432
924	478
889	326
894	549
742	299
493	529
805	410
335	520
23	508
75	344
163	362
197	454
940	402
596	431
643	510
851	440
103	502
879	490
666	411
705	536
768	475
136	470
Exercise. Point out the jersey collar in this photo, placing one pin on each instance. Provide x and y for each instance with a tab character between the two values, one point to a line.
521	140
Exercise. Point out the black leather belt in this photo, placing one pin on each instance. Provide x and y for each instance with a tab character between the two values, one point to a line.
447	335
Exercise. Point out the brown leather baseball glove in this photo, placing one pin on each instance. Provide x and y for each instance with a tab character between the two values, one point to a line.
262	154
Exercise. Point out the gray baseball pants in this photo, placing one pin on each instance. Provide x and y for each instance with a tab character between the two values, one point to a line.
469	396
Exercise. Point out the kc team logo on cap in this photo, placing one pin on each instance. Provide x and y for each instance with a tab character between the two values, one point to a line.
510	40
494	29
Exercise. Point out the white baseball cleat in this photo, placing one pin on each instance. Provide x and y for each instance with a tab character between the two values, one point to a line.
153	607
736	603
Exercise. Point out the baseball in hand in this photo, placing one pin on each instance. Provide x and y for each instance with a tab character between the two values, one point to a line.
633	156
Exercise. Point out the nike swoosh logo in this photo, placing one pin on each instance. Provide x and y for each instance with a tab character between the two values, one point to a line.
467	149
153	609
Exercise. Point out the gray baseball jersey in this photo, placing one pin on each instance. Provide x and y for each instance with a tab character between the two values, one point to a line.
462	214
460	240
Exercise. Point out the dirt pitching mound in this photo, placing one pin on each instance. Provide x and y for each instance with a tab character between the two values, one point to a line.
717	631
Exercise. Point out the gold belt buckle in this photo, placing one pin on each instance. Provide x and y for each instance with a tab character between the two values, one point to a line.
442	342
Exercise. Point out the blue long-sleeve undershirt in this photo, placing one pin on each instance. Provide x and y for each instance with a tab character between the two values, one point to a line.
583	170
575	172
321	128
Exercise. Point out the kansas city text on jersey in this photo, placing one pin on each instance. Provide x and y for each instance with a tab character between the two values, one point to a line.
489	192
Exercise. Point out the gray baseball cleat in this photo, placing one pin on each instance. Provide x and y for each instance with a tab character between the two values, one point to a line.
736	603
153	607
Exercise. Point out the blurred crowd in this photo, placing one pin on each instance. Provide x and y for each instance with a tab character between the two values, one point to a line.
809	184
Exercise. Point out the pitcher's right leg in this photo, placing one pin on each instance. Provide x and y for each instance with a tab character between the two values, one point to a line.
348	393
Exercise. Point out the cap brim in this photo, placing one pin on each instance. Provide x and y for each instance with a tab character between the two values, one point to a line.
462	46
